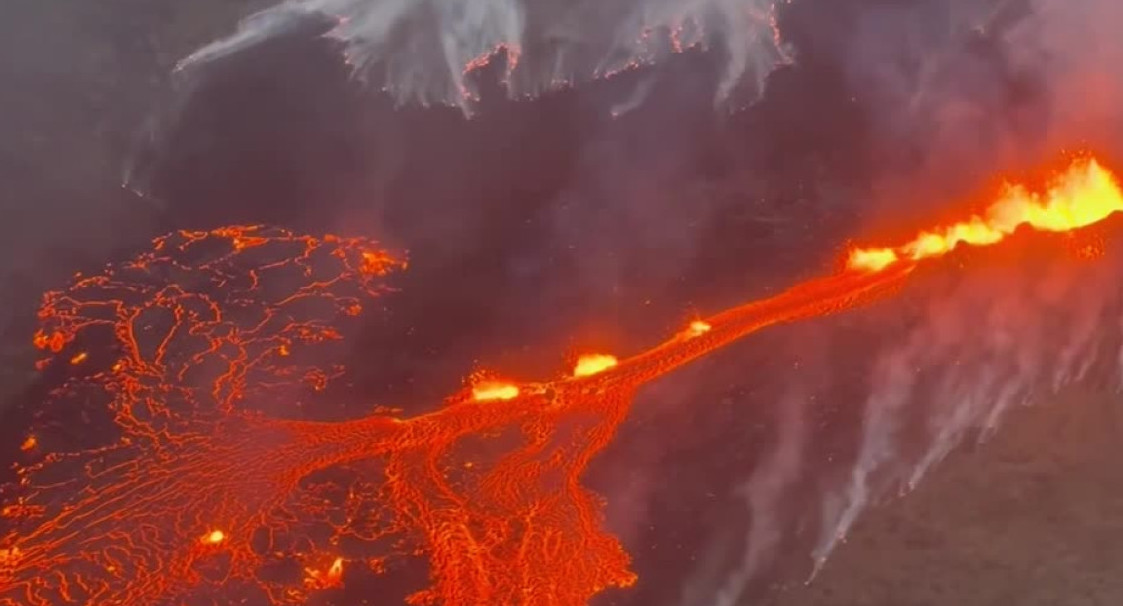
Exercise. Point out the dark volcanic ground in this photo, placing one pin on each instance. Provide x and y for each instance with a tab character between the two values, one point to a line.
1034	517
536	229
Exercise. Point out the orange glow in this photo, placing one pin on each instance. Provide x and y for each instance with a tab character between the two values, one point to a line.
9	557
592	364
1085	193
52	342
78	359
491	495
1087	248
872	259
29	444
375	262
494	390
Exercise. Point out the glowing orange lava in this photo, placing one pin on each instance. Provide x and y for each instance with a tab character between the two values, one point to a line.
214	537
317	579
208	494
494	390
1084	194
696	328
591	364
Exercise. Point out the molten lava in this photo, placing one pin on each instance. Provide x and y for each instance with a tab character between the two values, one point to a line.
697	328
494	390
591	364
325	579
207	491
214	537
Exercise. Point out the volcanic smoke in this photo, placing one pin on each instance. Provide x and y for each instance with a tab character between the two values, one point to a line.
206	495
426	52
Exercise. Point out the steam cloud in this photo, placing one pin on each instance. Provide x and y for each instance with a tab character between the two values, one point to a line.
425	50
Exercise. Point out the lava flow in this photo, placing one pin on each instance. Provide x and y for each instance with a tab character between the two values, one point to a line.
206	495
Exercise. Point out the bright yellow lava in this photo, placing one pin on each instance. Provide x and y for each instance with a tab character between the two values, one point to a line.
698	327
494	390
1084	194
9	556
319	579
214	537
591	364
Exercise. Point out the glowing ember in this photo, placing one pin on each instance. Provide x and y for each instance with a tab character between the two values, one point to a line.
697	328
9	557
52	342
29	444
494	390
591	364
1084	194
214	537
320	579
207	328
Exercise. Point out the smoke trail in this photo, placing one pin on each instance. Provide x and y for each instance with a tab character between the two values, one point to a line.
763	494
1028	77
426	51
995	341
971	347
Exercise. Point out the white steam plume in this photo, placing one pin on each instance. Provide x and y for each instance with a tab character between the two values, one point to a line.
424	51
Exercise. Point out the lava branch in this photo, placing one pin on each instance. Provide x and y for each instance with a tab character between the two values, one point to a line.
470	412
203	496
